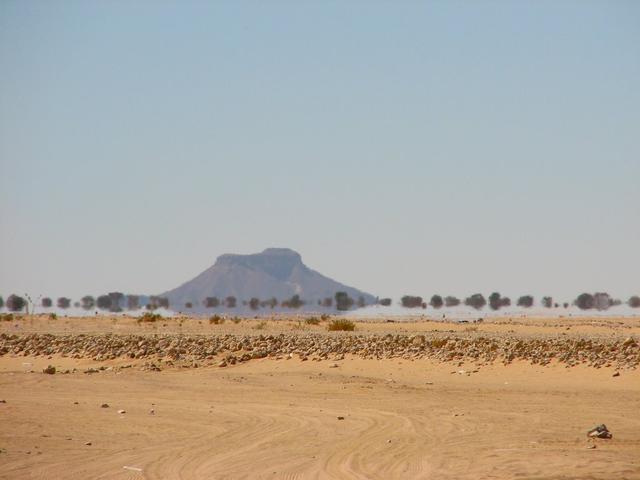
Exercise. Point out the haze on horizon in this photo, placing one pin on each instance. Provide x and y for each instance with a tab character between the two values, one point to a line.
401	148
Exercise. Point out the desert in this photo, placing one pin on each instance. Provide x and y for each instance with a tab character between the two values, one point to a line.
189	397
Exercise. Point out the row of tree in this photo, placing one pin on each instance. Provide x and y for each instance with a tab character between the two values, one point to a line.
117	302
585	301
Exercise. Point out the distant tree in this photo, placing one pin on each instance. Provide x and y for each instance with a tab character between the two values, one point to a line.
87	302
436	301
547	302
254	303
211	302
602	301
565	304
525	301
385	302
103	302
343	301
495	301
64	303
584	301
361	302
293	302
410	301
163	302
116	301
1	302
47	302
188	305
16	303
327	302
451	301
230	301
505	302
133	302
556	305
476	301
634	301
272	302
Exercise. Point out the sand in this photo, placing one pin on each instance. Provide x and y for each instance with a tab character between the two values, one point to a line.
269	418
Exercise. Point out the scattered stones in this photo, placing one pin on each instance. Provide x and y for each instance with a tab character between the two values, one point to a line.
599	431
50	370
189	351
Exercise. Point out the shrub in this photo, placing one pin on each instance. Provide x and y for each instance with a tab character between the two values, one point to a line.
216	320
53	316
6	317
149	317
341	325
324	317
236	320
312	321
260	326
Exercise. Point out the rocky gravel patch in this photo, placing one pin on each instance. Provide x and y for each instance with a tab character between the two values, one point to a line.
229	349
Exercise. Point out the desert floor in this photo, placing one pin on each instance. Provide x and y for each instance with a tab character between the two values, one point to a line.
285	418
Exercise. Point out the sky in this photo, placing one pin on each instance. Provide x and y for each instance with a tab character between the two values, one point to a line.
447	147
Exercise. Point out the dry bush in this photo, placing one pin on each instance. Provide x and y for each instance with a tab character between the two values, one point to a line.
216	320
312	321
438	342
341	325
260	326
236	320
148	317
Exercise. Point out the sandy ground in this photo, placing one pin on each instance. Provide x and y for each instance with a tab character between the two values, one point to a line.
279	419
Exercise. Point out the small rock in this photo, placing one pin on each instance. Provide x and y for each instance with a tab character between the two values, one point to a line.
223	363
591	447
340	418
104	405
122	411
152	412
87	443
599	431
335	365
617	374
50	370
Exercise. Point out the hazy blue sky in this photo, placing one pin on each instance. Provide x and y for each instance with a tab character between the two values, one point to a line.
401	147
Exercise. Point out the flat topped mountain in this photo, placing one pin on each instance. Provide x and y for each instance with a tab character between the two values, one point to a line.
274	273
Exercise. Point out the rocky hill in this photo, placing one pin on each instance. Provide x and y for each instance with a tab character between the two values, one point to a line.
274	273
